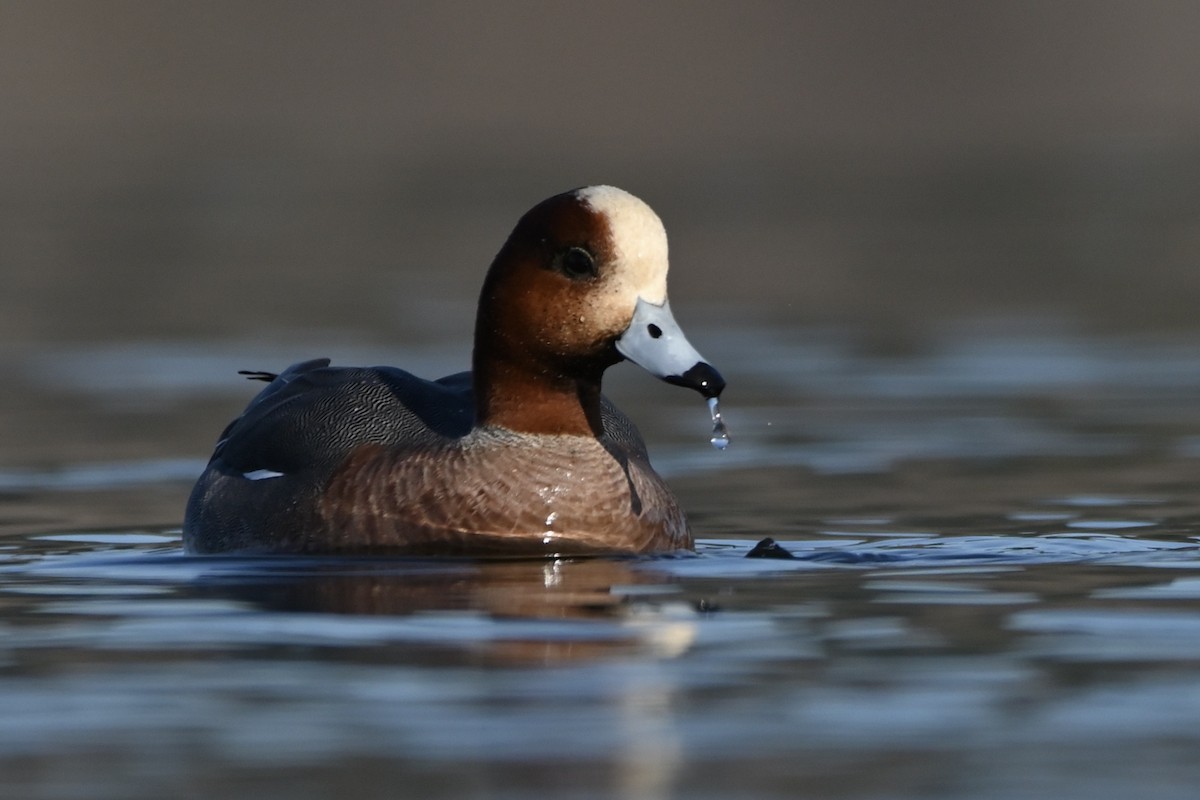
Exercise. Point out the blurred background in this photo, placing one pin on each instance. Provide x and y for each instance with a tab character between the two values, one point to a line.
218	168
240	184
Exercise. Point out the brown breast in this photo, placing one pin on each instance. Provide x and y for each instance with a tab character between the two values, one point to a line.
495	491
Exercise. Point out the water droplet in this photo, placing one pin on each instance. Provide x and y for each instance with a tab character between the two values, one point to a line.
720	434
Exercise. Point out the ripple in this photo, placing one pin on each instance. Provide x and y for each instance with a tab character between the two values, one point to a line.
103	475
1110	524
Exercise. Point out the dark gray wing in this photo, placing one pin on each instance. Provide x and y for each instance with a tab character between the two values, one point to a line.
620	432
312	415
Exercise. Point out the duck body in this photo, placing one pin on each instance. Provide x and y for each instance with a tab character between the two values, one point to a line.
375	460
522	456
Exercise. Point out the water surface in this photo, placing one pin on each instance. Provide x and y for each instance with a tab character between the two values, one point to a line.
996	594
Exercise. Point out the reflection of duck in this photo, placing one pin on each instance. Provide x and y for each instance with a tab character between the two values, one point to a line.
521	456
505	593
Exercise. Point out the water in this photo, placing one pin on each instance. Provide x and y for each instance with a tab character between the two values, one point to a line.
995	594
720	433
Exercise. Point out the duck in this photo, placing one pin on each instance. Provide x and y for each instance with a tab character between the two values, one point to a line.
522	456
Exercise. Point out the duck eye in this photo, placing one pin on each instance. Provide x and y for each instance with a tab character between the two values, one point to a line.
578	263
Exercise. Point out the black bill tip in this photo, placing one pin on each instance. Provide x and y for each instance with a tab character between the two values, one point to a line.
702	377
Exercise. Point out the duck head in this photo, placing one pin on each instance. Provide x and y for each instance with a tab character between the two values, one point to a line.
580	284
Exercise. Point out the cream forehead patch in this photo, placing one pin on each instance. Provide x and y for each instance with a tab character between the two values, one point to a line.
638	237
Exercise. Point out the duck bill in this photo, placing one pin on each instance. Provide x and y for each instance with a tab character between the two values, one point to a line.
655	343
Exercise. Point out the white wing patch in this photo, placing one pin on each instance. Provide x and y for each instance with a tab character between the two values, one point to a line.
261	474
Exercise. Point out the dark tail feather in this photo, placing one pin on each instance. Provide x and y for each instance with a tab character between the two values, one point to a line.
258	375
